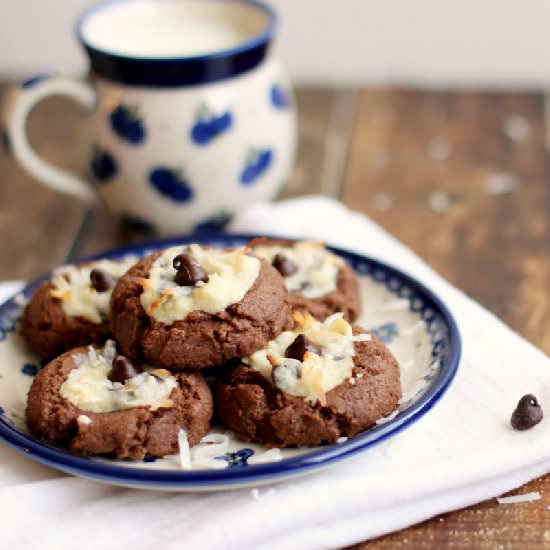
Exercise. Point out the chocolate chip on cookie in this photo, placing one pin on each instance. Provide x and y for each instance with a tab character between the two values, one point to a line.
101	280
189	271
527	414
298	348
285	266
123	369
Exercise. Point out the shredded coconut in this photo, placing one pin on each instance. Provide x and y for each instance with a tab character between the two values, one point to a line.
272	455
526	497
341	440
185	453
388	418
83	419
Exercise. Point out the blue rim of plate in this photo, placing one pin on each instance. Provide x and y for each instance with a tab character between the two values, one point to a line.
288	467
179	70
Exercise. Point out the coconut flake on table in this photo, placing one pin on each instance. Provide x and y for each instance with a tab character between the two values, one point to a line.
439	148
500	184
257	494
526	497
341	440
516	127
272	455
382	202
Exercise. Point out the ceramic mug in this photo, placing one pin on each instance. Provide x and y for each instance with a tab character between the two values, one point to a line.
188	116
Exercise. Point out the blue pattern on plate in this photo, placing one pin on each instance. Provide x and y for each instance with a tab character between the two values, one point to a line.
238	458
446	346
103	166
29	369
127	125
257	162
30	82
171	184
207	126
279	97
386	332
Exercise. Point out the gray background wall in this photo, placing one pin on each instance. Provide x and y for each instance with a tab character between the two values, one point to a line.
442	42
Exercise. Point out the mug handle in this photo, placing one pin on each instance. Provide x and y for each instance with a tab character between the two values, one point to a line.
16	116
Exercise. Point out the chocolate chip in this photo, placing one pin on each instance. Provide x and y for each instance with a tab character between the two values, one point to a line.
189	271
123	369
528	413
285	266
101	280
298	348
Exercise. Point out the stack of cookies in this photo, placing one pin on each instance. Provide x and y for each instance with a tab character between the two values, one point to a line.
128	343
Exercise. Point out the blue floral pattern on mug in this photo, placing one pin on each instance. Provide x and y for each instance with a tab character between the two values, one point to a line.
33	80
238	458
135	223
126	123
279	97
208	126
217	221
386	332
171	183
256	163
102	166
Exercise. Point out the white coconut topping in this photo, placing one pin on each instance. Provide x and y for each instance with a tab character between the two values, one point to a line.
317	374
72	286
317	268
231	275
89	388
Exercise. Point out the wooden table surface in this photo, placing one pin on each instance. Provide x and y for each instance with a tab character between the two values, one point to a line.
461	177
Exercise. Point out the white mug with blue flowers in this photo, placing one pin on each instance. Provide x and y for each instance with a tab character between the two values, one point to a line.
188	115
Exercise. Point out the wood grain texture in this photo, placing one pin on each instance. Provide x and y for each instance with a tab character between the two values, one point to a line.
462	178
37	226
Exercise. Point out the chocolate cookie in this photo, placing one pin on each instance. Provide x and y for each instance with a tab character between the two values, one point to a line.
311	385
72	308
97	403
317	280
193	307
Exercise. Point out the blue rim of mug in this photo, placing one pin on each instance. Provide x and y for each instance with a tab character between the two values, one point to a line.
183	70
232	478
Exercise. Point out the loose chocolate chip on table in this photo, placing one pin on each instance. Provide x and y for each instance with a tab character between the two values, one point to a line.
123	369
189	271
528	413
101	280
298	348
285	266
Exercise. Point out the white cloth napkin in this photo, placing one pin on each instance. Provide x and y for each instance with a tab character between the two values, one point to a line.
461	452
